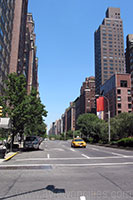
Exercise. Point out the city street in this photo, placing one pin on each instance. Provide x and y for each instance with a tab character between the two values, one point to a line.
60	172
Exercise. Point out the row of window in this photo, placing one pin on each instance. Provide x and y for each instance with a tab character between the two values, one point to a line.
129	106
128	98
119	92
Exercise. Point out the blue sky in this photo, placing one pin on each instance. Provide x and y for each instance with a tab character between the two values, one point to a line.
65	46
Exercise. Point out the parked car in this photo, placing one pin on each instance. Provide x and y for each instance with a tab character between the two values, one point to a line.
78	142
31	142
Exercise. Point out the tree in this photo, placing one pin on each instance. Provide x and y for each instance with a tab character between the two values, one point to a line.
13	101
25	111
34	113
123	125
90	126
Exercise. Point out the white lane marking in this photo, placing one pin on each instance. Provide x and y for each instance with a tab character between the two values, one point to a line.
95	149
85	156
117	154
75	158
32	159
94	164
68	165
82	198
48	156
72	149
55	149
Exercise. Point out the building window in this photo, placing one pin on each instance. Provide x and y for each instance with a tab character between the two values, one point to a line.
118	98
129	99
129	106
119	111
119	105
129	91
123	83
118	91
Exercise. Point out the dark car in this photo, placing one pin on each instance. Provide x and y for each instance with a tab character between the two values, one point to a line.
31	142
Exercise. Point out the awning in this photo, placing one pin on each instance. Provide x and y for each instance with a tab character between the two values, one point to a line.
5	123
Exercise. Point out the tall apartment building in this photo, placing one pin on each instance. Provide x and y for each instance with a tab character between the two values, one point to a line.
85	103
118	92
31	61
87	95
109	47
18	37
70	120
6	26
129	59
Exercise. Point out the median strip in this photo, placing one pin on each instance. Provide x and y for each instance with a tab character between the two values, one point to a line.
10	156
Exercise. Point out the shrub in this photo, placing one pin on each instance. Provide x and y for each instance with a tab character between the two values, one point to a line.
90	140
126	142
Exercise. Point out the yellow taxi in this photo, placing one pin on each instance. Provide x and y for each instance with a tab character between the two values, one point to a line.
78	142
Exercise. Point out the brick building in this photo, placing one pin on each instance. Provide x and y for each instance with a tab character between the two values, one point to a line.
118	91
31	61
87	96
18	37
6	25
70	117
129	60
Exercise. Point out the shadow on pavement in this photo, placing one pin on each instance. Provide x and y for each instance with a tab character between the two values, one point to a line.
49	187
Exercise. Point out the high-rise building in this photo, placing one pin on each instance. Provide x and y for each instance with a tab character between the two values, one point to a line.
18	37
71	117
31	61
6	26
87	95
129	60
109	48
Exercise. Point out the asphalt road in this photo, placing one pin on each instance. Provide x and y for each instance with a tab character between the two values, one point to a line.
60	172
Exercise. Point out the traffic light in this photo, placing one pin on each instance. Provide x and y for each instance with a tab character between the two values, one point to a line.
1	111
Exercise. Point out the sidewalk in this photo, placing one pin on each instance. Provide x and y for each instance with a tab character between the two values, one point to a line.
10	155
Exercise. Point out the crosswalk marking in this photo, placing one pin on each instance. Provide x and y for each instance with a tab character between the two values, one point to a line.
85	156
82	198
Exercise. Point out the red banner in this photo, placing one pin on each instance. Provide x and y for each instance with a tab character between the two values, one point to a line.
100	104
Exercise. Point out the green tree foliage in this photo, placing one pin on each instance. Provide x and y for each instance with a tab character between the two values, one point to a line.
122	126
25	111
34	113
91	126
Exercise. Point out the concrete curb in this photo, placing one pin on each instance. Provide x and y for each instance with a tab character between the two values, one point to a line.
9	157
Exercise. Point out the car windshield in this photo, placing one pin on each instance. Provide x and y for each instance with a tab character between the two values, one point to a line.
30	138
78	140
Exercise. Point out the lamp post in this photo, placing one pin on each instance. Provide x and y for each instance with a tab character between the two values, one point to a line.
108	116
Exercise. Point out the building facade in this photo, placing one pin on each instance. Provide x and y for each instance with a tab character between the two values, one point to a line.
18	37
6	25
87	96
129	60
118	92
70	114
109	48
30	60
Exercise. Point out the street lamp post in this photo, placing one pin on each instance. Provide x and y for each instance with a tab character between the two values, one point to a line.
108	117
109	138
